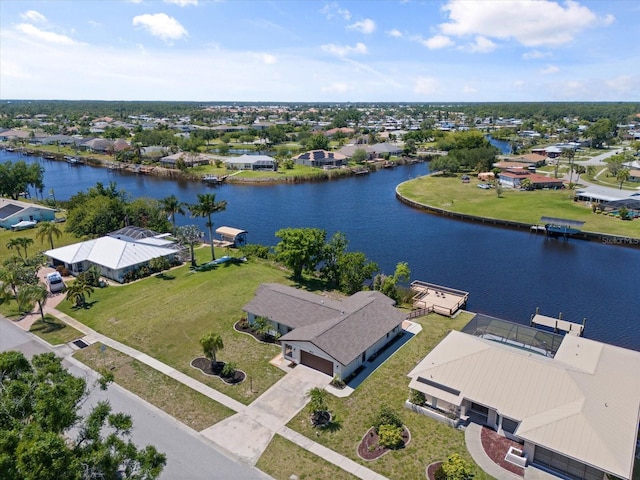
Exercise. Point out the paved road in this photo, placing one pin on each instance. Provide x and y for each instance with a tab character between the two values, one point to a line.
189	455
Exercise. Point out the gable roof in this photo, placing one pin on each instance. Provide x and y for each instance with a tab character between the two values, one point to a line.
341	328
583	403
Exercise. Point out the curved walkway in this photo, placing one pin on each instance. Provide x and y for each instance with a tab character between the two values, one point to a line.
474	445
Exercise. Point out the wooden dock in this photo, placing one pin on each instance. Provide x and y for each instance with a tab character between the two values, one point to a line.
558	325
430	297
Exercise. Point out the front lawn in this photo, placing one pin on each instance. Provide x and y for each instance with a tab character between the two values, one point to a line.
299	462
166	315
449	193
54	331
185	404
430	440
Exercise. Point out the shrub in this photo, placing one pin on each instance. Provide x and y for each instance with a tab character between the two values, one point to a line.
416	397
386	416
159	264
338	382
390	436
454	468
62	270
255	250
229	369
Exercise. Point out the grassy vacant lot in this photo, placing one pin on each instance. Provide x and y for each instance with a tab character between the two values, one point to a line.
38	245
165	316
430	440
190	407
299	461
450	193
54	331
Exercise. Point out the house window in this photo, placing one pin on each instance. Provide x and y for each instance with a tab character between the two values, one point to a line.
288	350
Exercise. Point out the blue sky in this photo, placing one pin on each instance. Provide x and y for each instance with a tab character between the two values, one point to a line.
295	50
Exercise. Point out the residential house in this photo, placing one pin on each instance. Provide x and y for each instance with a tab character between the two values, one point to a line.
12	212
349	150
386	148
332	336
514	177
320	159
190	159
97	145
115	254
252	162
576	412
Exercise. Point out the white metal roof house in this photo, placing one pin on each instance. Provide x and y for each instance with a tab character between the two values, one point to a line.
332	336
115	254
576	412
12	212
252	162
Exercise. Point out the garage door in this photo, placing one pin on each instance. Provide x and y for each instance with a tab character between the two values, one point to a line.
317	363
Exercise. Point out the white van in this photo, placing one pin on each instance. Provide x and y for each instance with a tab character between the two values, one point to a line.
54	280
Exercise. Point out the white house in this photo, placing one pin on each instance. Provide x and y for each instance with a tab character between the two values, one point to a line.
252	162
116	254
576	412
13	212
332	336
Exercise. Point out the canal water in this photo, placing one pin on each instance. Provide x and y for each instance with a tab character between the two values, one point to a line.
507	272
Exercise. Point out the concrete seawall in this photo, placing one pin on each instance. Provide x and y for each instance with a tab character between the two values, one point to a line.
605	238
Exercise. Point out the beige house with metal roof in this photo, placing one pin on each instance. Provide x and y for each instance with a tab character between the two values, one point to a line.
329	335
576	413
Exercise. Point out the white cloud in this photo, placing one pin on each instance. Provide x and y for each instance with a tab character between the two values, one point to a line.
530	22
394	33
482	45
535	55
335	87
268	59
332	10
425	86
437	41
182	3
366	26
33	16
469	89
161	25
550	70
94	24
47	37
345	50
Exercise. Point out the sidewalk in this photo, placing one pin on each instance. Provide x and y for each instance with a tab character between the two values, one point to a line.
267	415
474	445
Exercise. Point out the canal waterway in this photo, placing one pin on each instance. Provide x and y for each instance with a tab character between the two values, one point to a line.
507	272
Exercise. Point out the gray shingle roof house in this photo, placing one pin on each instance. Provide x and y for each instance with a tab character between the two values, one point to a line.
332	336
320	158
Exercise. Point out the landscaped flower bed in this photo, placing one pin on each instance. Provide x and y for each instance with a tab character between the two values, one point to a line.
370	448
204	365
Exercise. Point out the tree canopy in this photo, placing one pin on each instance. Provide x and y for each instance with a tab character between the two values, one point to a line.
17	177
43	435
300	248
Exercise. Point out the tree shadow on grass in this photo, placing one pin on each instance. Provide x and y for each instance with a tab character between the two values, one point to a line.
333	426
164	276
85	305
46	326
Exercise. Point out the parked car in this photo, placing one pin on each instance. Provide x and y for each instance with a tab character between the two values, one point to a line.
484	186
55	282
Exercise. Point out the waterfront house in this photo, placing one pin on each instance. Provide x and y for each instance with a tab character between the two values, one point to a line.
574	408
349	150
190	159
320	159
332	336
252	162
12	212
115	254
513	178
385	148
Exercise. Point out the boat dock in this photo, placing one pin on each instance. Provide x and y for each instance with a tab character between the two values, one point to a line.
214	179
557	324
430	297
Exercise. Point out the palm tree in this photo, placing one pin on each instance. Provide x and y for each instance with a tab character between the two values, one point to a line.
78	291
30	294
318	405
189	235
170	206
48	230
18	242
622	176
211	343
591	171
205	207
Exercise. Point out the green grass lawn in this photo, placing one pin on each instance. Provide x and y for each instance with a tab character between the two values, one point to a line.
430	440
300	462
451	194
188	406
165	316
54	331
37	246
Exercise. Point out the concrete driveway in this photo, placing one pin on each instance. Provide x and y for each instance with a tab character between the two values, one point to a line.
247	434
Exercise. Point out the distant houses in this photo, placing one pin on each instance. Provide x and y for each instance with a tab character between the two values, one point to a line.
252	162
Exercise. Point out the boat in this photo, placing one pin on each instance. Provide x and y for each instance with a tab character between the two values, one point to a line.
72	160
23	225
213	179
